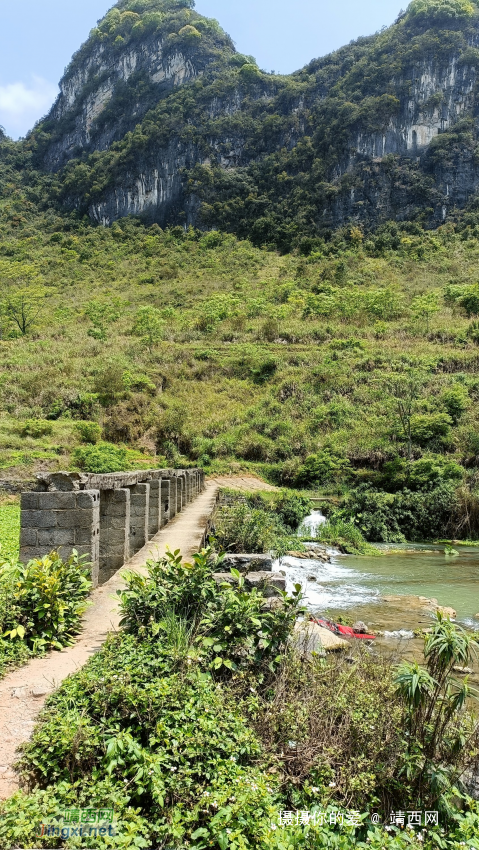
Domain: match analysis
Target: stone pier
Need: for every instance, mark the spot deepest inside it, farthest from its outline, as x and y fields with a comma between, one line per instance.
x=108, y=518
x=63, y=521
x=114, y=531
x=165, y=501
x=154, y=522
x=139, y=514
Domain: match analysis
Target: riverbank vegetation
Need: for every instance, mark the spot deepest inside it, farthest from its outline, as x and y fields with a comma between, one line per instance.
x=199, y=724
x=258, y=522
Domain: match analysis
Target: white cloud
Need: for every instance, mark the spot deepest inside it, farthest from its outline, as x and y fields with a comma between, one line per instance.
x=21, y=104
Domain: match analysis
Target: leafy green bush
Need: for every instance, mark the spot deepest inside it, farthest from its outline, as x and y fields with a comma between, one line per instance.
x=37, y=428
x=292, y=508
x=423, y=474
x=322, y=468
x=42, y=602
x=428, y=427
x=101, y=458
x=228, y=628
x=345, y=536
x=242, y=528
x=89, y=432
x=456, y=402
x=406, y=515
x=9, y=531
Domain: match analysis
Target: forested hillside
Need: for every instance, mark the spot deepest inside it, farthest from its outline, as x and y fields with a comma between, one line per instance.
x=353, y=368
x=159, y=116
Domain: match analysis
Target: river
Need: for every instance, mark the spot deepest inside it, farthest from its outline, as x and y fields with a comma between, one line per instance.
x=355, y=586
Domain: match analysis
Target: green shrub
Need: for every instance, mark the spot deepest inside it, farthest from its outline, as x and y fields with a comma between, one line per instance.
x=429, y=427
x=89, y=432
x=423, y=474
x=101, y=458
x=456, y=402
x=345, y=536
x=322, y=468
x=223, y=628
x=42, y=602
x=9, y=532
x=37, y=428
x=250, y=72
x=241, y=528
x=292, y=508
x=406, y=515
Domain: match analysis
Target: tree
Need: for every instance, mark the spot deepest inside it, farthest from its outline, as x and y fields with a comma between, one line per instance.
x=23, y=305
x=405, y=389
x=424, y=307
x=441, y=739
x=149, y=326
x=101, y=315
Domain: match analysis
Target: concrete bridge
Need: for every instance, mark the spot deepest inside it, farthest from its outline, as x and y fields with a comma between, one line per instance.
x=109, y=518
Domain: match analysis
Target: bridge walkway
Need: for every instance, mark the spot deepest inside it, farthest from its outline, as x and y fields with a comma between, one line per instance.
x=23, y=692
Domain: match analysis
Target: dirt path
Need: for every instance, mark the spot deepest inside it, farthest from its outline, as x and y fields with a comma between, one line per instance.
x=24, y=691
x=245, y=482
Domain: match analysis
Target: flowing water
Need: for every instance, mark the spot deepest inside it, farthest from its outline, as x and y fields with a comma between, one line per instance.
x=355, y=586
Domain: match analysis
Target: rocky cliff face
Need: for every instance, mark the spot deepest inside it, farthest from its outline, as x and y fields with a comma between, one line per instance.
x=85, y=95
x=371, y=130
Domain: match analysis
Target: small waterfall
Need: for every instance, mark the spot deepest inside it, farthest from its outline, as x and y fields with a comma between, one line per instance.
x=311, y=523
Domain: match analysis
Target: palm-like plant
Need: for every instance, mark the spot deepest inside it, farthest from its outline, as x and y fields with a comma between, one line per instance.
x=442, y=736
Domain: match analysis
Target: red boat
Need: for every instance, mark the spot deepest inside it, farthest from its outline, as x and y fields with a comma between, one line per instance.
x=338, y=629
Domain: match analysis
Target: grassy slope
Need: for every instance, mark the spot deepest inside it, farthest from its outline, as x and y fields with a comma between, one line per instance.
x=244, y=358
x=231, y=392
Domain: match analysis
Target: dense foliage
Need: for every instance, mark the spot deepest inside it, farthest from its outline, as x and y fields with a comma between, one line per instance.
x=255, y=523
x=41, y=605
x=198, y=724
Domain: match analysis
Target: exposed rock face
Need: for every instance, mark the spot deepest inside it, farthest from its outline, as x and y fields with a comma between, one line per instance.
x=385, y=166
x=85, y=95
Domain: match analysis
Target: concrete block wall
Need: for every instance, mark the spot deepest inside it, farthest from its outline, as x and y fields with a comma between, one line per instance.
x=106, y=517
x=139, y=514
x=165, y=501
x=114, y=531
x=154, y=521
x=61, y=521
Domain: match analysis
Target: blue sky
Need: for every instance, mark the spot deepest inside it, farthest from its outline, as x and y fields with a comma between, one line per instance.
x=38, y=37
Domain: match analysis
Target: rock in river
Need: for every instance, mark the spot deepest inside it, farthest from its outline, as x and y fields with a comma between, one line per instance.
x=311, y=638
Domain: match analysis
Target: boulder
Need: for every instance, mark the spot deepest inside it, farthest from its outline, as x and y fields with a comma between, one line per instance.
x=422, y=603
x=312, y=639
x=476, y=616
x=360, y=627
x=311, y=555
x=220, y=578
x=270, y=584
x=465, y=671
x=245, y=563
